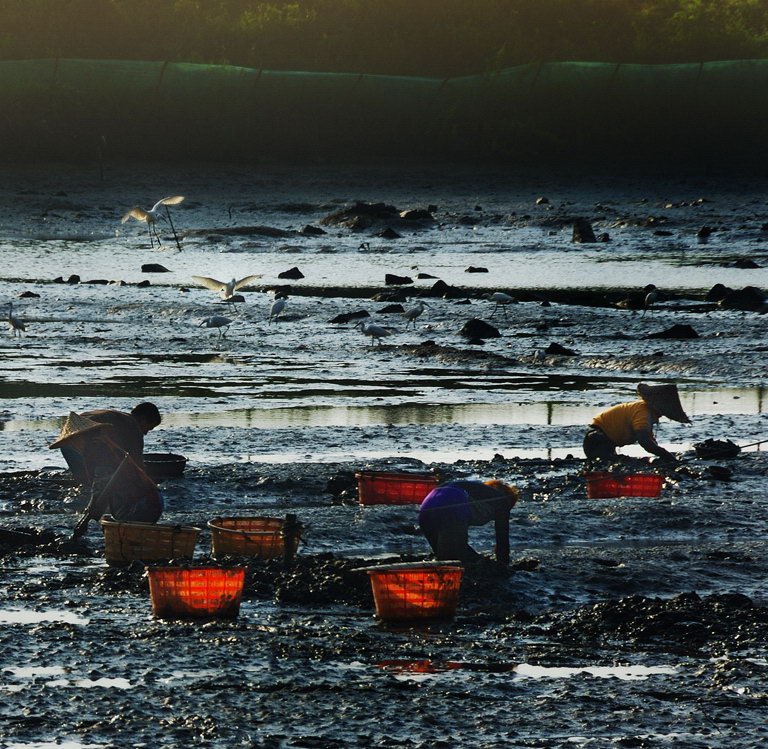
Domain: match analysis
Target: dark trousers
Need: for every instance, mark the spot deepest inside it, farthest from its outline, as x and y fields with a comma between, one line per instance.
x=597, y=445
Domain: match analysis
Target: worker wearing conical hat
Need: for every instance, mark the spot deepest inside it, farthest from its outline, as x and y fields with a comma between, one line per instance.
x=632, y=423
x=448, y=510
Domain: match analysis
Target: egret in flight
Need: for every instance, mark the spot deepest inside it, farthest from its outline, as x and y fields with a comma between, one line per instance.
x=376, y=332
x=16, y=326
x=226, y=289
x=412, y=313
x=217, y=321
x=152, y=215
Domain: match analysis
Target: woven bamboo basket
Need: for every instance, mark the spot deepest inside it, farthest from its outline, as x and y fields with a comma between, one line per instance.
x=146, y=542
x=258, y=537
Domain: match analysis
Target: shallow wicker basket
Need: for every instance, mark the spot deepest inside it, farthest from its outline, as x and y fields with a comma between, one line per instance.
x=259, y=537
x=146, y=542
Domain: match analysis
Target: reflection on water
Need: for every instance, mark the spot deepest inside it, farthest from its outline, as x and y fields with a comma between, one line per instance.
x=418, y=670
x=21, y=616
x=26, y=672
x=55, y=744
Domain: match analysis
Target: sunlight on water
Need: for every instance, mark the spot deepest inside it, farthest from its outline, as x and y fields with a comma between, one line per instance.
x=19, y=616
x=89, y=683
x=55, y=744
x=626, y=673
x=22, y=672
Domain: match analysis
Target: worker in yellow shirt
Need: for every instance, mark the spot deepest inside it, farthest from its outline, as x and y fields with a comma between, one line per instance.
x=632, y=423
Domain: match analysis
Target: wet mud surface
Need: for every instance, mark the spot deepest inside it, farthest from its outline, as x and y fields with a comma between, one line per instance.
x=629, y=622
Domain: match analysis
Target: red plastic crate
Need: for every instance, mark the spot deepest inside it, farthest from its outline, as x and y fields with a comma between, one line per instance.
x=404, y=592
x=605, y=485
x=196, y=592
x=391, y=488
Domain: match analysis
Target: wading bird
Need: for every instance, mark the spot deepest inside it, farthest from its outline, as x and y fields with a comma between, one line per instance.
x=152, y=215
x=226, y=289
x=651, y=297
x=501, y=299
x=413, y=312
x=376, y=332
x=217, y=321
x=17, y=327
x=277, y=306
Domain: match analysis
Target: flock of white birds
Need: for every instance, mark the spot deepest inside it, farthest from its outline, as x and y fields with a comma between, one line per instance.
x=227, y=290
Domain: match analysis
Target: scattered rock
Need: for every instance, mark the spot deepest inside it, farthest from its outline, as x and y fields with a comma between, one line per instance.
x=29, y=295
x=345, y=317
x=745, y=262
x=416, y=214
x=388, y=233
x=392, y=280
x=361, y=215
x=143, y=284
x=704, y=232
x=240, y=231
x=73, y=279
x=391, y=309
x=749, y=299
x=679, y=332
x=582, y=231
x=473, y=269
x=292, y=273
x=154, y=268
x=556, y=348
x=479, y=329
x=312, y=231
x=97, y=282
x=425, y=275
x=717, y=293
x=441, y=288
x=542, y=201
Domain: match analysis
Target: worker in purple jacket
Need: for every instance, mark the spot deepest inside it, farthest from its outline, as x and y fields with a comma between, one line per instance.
x=448, y=510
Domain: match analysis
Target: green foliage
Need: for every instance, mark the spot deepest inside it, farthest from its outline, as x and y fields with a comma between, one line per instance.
x=407, y=37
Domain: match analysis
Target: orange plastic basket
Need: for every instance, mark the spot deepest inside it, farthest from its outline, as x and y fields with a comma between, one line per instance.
x=196, y=592
x=147, y=542
x=604, y=485
x=390, y=488
x=258, y=537
x=404, y=592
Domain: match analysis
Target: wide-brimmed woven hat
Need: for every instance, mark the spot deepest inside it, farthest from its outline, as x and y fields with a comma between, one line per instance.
x=75, y=425
x=665, y=400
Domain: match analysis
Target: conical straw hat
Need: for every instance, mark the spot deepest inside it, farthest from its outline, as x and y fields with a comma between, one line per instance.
x=663, y=399
x=75, y=425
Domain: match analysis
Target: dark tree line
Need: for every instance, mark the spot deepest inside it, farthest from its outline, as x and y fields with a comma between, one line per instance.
x=433, y=38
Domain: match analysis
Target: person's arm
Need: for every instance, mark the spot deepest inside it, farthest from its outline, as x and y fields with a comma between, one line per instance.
x=647, y=441
x=502, y=537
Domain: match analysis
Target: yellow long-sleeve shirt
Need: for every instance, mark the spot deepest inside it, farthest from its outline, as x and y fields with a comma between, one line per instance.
x=619, y=423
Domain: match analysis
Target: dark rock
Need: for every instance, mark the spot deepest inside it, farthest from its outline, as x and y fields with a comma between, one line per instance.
x=97, y=282
x=465, y=301
x=432, y=208
x=473, y=269
x=240, y=231
x=718, y=292
x=390, y=296
x=292, y=273
x=73, y=279
x=143, y=284
x=361, y=215
x=59, y=279
x=29, y=295
x=582, y=231
x=475, y=328
x=704, y=232
x=711, y=448
x=676, y=331
x=312, y=231
x=388, y=233
x=749, y=299
x=542, y=201
x=745, y=262
x=392, y=280
x=391, y=309
x=604, y=237
x=476, y=342
x=345, y=317
x=424, y=275
x=556, y=348
x=154, y=268
x=416, y=214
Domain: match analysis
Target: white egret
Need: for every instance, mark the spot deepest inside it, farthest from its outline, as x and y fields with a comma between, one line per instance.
x=226, y=289
x=277, y=306
x=217, y=321
x=17, y=327
x=412, y=313
x=376, y=332
x=152, y=215
x=501, y=299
